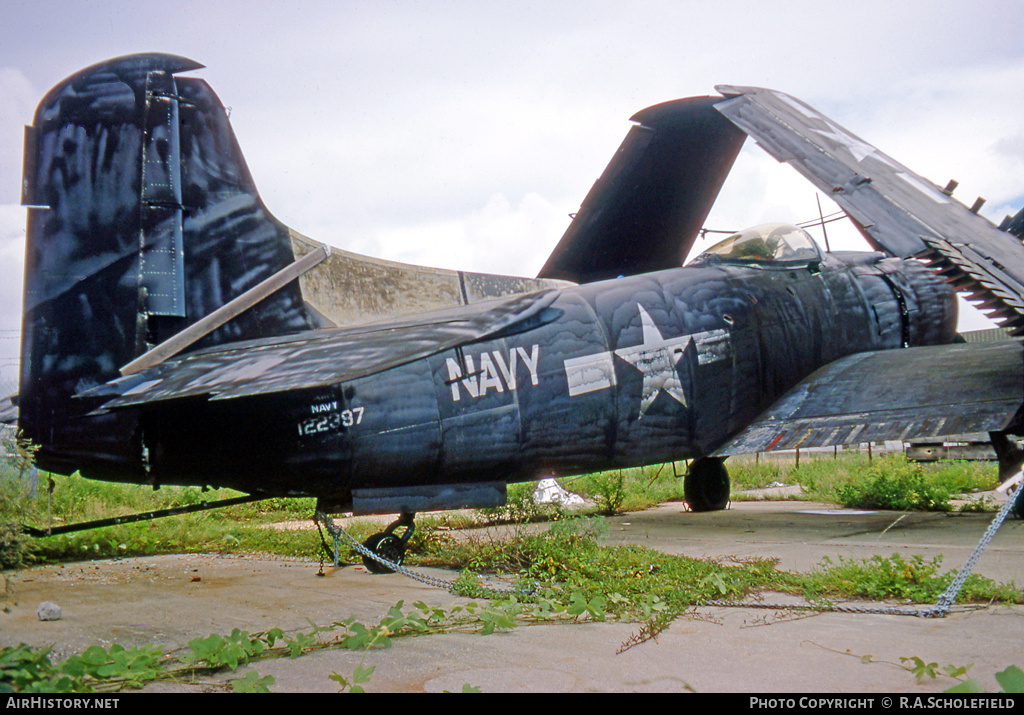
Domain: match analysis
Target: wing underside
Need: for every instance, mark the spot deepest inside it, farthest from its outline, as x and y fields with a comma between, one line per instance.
x=895, y=395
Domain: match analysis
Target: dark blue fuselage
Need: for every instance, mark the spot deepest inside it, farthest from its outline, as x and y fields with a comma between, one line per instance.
x=638, y=370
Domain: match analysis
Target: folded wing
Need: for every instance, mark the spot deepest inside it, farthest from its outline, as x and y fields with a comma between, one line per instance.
x=647, y=208
x=895, y=395
x=897, y=210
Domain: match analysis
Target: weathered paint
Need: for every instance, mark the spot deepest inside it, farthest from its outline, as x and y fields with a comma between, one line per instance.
x=425, y=376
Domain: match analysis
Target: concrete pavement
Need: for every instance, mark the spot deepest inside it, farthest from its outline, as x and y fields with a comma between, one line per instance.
x=169, y=600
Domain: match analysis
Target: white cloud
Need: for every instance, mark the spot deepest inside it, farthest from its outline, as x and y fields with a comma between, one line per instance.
x=499, y=237
x=12, y=259
x=461, y=135
x=17, y=101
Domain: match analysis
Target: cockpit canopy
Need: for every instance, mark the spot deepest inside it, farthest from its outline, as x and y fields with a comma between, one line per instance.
x=765, y=244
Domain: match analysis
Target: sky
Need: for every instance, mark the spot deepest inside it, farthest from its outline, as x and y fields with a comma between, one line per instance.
x=463, y=134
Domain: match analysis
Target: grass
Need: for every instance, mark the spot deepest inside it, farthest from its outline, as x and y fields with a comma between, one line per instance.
x=567, y=554
x=557, y=555
x=852, y=480
x=883, y=482
x=75, y=499
x=881, y=578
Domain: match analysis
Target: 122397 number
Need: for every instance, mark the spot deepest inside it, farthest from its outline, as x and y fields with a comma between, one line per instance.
x=330, y=422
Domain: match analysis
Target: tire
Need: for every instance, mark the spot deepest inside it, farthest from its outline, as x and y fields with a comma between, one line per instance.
x=387, y=546
x=706, y=485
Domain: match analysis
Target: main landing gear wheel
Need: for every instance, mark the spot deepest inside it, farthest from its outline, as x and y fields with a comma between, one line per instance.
x=388, y=546
x=706, y=484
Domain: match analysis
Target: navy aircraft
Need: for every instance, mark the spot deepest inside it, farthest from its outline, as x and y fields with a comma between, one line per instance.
x=176, y=333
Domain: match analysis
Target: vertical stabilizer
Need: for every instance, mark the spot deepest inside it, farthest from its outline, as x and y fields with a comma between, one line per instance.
x=143, y=218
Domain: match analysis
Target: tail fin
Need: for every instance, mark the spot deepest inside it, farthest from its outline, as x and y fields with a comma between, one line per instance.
x=143, y=218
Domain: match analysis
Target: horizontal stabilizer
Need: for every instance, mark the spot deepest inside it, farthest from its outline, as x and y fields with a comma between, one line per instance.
x=895, y=395
x=322, y=357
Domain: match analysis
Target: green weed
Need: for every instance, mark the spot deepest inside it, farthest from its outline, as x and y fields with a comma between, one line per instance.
x=1010, y=680
x=610, y=490
x=566, y=576
x=893, y=577
x=29, y=670
x=894, y=483
x=520, y=507
x=629, y=489
x=749, y=474
x=884, y=482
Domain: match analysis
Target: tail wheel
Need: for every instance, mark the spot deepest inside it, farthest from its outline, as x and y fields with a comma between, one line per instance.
x=706, y=484
x=388, y=547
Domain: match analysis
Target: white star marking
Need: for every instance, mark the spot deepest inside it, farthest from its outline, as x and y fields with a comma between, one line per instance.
x=860, y=150
x=656, y=358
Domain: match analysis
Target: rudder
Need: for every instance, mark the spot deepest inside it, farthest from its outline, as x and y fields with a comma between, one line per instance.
x=143, y=218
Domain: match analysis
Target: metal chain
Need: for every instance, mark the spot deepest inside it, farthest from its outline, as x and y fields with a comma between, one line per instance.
x=942, y=607
x=946, y=599
x=338, y=533
x=944, y=603
x=934, y=612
